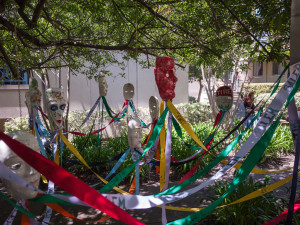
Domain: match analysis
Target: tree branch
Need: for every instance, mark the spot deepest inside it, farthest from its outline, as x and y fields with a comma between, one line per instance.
x=177, y=26
x=8, y=62
x=245, y=28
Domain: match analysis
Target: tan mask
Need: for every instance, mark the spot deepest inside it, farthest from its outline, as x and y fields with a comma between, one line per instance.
x=102, y=86
x=154, y=107
x=128, y=91
x=55, y=105
x=20, y=167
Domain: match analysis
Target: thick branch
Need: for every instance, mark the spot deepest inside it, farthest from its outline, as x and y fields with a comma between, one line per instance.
x=37, y=11
x=8, y=62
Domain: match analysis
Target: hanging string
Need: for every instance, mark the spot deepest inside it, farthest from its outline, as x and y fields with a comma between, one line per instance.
x=136, y=63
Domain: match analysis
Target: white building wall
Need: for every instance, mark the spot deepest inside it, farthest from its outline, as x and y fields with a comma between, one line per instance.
x=84, y=92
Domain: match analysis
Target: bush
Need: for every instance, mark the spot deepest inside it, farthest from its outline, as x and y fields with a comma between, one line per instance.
x=251, y=212
x=281, y=143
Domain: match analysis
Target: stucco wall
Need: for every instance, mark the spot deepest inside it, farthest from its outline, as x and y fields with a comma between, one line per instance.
x=268, y=76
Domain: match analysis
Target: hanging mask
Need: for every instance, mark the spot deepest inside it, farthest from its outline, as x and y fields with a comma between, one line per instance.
x=55, y=104
x=154, y=107
x=165, y=77
x=19, y=166
x=102, y=85
x=135, y=133
x=128, y=91
x=224, y=98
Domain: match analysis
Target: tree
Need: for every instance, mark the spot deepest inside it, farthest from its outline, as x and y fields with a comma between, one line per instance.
x=50, y=34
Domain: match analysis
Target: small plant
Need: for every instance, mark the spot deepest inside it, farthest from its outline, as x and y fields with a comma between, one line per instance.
x=251, y=212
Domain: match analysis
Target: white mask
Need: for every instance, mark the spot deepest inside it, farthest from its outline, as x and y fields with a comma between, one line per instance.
x=128, y=91
x=154, y=107
x=33, y=96
x=102, y=86
x=20, y=167
x=135, y=134
x=55, y=105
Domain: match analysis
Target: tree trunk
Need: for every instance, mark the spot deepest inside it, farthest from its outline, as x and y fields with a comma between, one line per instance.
x=68, y=98
x=200, y=90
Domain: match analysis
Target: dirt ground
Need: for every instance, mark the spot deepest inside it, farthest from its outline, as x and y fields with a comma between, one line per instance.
x=150, y=186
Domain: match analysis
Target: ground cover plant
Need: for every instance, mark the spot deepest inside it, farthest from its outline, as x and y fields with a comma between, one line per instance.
x=251, y=212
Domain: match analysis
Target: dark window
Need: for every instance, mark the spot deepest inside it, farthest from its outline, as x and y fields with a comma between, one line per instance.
x=6, y=77
x=275, y=68
x=257, y=69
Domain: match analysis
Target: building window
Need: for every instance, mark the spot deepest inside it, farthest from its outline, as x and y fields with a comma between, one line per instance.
x=257, y=69
x=6, y=77
x=275, y=69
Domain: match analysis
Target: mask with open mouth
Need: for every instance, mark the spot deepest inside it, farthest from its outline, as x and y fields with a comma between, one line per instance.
x=55, y=105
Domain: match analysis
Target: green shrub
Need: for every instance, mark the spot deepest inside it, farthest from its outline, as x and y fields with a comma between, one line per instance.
x=19, y=123
x=281, y=143
x=251, y=212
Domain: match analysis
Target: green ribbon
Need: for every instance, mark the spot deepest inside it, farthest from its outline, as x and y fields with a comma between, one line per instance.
x=109, y=112
x=18, y=207
x=120, y=176
x=218, y=159
x=135, y=112
x=243, y=172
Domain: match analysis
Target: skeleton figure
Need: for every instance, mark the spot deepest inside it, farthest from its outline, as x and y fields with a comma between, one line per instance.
x=55, y=105
x=102, y=85
x=154, y=107
x=18, y=166
x=165, y=77
x=128, y=91
x=33, y=97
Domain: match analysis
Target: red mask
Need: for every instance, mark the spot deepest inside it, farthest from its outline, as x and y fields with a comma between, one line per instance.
x=165, y=77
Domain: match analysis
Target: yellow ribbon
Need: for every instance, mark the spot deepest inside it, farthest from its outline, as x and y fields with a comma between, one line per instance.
x=184, y=124
x=252, y=195
x=162, y=137
x=189, y=130
x=77, y=154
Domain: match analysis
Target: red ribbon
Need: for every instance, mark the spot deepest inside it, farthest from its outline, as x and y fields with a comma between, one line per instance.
x=94, y=132
x=193, y=170
x=283, y=215
x=67, y=181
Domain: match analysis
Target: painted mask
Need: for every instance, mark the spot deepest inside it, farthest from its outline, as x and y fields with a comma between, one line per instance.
x=154, y=107
x=224, y=98
x=102, y=86
x=18, y=166
x=128, y=91
x=165, y=77
x=33, y=96
x=55, y=104
x=135, y=133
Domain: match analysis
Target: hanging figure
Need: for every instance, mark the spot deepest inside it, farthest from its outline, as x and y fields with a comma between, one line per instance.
x=166, y=82
x=19, y=166
x=135, y=136
x=55, y=106
x=102, y=85
x=128, y=91
x=165, y=77
x=154, y=113
x=32, y=101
